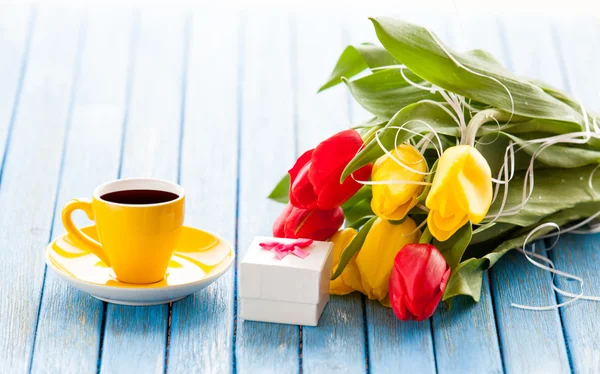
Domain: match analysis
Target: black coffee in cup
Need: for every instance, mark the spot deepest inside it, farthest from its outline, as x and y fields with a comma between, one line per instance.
x=139, y=197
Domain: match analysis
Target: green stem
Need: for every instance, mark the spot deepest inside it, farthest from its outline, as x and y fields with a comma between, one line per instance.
x=485, y=116
x=426, y=237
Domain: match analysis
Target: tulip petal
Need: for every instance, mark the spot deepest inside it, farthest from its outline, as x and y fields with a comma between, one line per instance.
x=279, y=225
x=449, y=165
x=438, y=286
x=351, y=276
x=376, y=258
x=338, y=286
x=475, y=179
x=392, y=200
x=462, y=187
x=448, y=223
x=319, y=224
x=340, y=241
x=382, y=209
x=439, y=233
x=328, y=161
x=414, y=269
x=418, y=280
x=428, y=308
x=397, y=295
x=302, y=194
x=309, y=224
x=295, y=219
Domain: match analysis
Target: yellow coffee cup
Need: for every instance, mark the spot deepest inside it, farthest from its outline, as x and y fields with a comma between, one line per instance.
x=138, y=222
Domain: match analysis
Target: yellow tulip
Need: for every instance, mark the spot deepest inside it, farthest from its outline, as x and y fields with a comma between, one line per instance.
x=393, y=201
x=351, y=276
x=376, y=258
x=461, y=191
x=340, y=241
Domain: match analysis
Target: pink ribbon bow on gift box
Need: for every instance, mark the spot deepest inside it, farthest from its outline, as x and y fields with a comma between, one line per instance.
x=283, y=249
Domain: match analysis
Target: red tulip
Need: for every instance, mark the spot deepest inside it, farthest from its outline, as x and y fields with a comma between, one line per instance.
x=418, y=281
x=308, y=223
x=315, y=178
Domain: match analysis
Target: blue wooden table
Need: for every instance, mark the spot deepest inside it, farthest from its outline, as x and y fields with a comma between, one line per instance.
x=223, y=102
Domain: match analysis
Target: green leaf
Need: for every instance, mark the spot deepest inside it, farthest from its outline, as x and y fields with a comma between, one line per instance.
x=281, y=192
x=496, y=230
x=467, y=278
x=385, y=92
x=570, y=101
x=359, y=222
x=353, y=248
x=558, y=155
x=555, y=189
x=455, y=246
x=365, y=193
x=412, y=117
x=358, y=212
x=539, y=125
x=564, y=217
x=557, y=94
x=473, y=77
x=484, y=56
x=355, y=59
x=370, y=123
x=493, y=148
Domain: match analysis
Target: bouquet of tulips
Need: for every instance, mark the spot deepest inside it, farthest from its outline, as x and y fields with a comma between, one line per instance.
x=461, y=162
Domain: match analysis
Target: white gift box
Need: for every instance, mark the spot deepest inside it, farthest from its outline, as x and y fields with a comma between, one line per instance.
x=292, y=290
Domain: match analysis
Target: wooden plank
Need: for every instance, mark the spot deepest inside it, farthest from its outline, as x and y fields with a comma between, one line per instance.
x=68, y=334
x=579, y=50
x=579, y=255
x=337, y=344
x=15, y=31
x=465, y=336
x=29, y=181
x=202, y=325
x=267, y=150
x=135, y=337
x=530, y=341
x=398, y=346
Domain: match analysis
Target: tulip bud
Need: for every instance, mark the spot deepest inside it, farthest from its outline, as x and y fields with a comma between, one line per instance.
x=393, y=200
x=340, y=241
x=315, y=178
x=349, y=280
x=313, y=224
x=376, y=257
x=418, y=281
x=461, y=191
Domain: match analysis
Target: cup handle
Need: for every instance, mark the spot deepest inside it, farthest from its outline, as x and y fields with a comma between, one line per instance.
x=90, y=244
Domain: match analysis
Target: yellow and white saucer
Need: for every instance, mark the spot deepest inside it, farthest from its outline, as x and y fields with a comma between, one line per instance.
x=200, y=258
